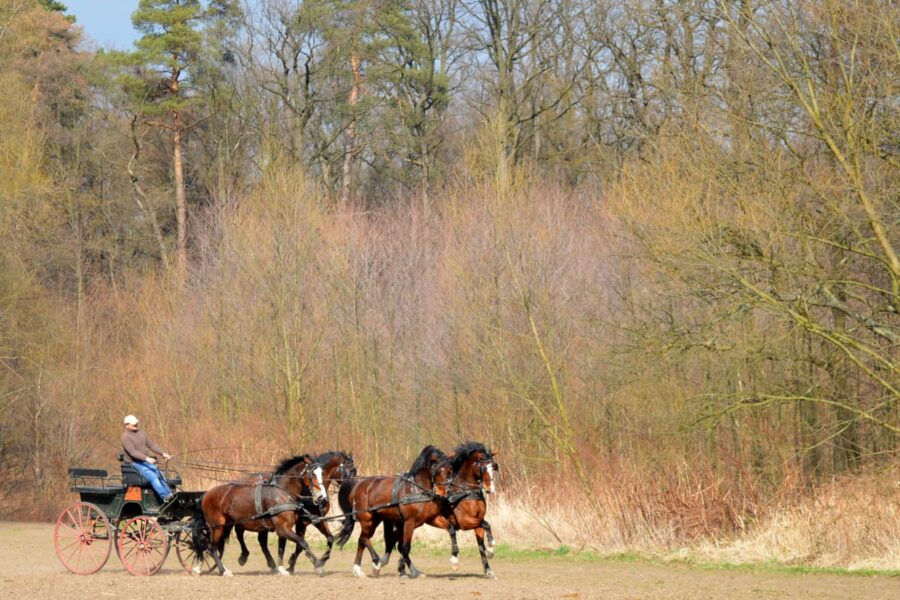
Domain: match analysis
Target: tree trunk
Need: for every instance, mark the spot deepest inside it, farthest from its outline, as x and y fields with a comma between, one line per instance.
x=180, y=202
x=351, y=129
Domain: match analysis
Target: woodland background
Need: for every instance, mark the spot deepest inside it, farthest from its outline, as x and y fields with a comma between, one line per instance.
x=646, y=248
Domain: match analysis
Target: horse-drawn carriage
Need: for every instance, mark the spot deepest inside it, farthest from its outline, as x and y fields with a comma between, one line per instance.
x=124, y=511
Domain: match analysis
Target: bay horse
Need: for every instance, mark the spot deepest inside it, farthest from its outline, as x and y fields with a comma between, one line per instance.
x=407, y=501
x=261, y=506
x=472, y=476
x=337, y=467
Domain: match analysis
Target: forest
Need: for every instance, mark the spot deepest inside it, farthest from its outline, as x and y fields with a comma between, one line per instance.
x=646, y=249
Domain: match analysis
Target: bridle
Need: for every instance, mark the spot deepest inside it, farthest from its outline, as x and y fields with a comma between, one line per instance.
x=347, y=469
x=478, y=469
x=432, y=475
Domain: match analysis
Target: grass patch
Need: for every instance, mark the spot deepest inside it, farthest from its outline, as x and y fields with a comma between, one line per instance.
x=564, y=552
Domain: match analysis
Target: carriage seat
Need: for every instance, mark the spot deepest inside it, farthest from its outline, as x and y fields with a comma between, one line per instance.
x=92, y=481
x=131, y=476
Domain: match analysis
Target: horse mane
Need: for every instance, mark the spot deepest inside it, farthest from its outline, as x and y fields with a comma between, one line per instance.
x=464, y=451
x=326, y=456
x=425, y=459
x=288, y=463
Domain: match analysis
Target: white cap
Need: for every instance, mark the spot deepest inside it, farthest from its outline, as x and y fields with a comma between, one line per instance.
x=131, y=420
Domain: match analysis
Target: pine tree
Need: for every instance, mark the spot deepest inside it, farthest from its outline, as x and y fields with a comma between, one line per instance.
x=170, y=46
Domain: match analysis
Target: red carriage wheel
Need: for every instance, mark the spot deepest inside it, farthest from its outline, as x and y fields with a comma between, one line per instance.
x=83, y=538
x=143, y=546
x=193, y=563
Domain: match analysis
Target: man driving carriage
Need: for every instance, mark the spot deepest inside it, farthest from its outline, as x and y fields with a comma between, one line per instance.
x=137, y=446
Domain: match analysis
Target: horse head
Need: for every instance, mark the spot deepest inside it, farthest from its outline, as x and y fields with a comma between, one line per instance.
x=337, y=466
x=475, y=464
x=432, y=469
x=301, y=475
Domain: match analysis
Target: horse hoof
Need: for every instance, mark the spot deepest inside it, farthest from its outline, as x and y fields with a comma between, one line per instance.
x=490, y=575
x=358, y=572
x=196, y=570
x=454, y=563
x=283, y=571
x=320, y=571
x=227, y=573
x=242, y=559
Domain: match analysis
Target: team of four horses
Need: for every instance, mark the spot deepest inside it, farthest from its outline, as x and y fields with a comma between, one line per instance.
x=444, y=491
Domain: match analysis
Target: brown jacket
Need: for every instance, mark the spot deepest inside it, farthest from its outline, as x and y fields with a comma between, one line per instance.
x=137, y=445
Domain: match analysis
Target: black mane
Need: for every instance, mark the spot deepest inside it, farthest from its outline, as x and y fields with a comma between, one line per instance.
x=326, y=456
x=424, y=459
x=464, y=451
x=289, y=463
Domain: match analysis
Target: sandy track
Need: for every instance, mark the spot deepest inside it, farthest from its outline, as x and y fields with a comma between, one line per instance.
x=29, y=569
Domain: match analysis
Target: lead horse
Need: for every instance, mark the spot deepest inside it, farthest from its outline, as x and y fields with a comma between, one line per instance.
x=406, y=501
x=337, y=467
x=261, y=506
x=473, y=473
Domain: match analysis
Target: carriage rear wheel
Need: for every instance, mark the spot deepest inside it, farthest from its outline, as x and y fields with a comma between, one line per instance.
x=143, y=546
x=193, y=562
x=83, y=538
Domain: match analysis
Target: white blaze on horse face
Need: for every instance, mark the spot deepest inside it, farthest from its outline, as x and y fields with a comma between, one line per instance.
x=321, y=490
x=490, y=470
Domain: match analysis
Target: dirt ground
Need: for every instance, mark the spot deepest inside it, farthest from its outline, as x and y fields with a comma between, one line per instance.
x=29, y=569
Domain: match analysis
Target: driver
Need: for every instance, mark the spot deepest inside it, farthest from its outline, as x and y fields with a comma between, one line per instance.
x=138, y=445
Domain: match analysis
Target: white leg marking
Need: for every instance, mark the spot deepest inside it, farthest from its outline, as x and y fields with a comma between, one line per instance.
x=227, y=573
x=283, y=571
x=358, y=571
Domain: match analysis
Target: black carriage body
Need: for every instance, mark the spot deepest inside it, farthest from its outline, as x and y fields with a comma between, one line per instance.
x=130, y=495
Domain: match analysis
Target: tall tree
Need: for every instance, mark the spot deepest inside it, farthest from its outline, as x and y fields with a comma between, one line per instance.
x=169, y=47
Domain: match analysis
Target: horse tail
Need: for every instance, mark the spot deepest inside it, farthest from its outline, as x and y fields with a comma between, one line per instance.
x=349, y=516
x=199, y=531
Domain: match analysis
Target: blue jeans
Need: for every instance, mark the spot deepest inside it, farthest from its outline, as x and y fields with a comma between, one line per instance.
x=151, y=473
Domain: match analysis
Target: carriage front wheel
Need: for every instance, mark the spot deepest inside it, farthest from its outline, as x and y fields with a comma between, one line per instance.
x=83, y=538
x=143, y=546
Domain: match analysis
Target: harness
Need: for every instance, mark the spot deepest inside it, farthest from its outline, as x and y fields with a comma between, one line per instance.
x=424, y=496
x=466, y=494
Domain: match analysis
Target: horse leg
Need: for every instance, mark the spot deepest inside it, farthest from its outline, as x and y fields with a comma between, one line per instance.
x=286, y=531
x=454, y=547
x=479, y=536
x=490, y=538
x=263, y=538
x=322, y=526
x=390, y=540
x=216, y=539
x=226, y=531
x=409, y=526
x=367, y=527
x=318, y=563
x=282, y=545
x=245, y=552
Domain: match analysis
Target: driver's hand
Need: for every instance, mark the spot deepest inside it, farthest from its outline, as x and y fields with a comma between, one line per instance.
x=167, y=456
x=151, y=460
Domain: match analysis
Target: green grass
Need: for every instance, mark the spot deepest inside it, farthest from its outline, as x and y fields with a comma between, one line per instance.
x=567, y=553
x=563, y=552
